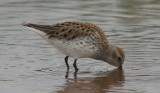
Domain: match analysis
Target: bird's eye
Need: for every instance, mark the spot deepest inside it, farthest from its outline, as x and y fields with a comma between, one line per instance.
x=119, y=59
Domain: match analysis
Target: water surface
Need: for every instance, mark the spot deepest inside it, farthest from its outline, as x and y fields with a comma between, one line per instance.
x=28, y=64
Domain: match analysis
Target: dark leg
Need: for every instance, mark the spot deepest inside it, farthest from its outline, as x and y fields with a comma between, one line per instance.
x=66, y=61
x=75, y=66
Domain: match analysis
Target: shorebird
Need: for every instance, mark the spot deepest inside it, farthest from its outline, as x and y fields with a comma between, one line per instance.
x=80, y=40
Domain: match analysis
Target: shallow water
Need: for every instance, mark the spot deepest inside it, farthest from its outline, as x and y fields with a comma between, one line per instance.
x=30, y=65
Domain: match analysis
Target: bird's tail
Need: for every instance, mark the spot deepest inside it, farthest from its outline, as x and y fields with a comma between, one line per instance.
x=43, y=28
x=39, y=29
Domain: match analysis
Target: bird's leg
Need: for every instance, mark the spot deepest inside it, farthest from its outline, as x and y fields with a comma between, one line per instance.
x=75, y=65
x=66, y=61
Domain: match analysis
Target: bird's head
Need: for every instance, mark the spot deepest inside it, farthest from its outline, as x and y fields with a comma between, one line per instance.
x=114, y=56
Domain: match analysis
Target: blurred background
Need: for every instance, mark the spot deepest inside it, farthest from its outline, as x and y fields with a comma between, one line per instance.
x=28, y=64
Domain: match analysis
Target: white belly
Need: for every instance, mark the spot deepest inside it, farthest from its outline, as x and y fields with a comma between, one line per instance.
x=77, y=48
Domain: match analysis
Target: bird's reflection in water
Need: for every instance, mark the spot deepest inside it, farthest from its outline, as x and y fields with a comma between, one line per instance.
x=100, y=84
x=75, y=74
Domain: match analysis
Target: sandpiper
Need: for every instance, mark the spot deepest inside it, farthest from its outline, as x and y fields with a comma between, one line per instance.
x=80, y=40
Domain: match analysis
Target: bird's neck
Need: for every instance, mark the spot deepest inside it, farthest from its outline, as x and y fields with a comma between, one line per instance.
x=104, y=53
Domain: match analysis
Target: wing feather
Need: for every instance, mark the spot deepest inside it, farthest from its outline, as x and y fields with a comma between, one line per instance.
x=69, y=30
